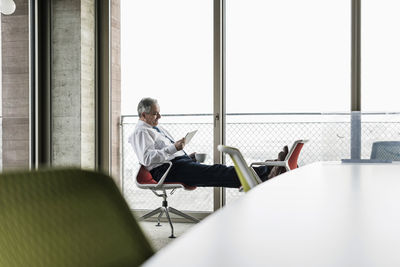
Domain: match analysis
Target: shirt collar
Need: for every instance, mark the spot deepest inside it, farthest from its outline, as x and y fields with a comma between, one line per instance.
x=144, y=124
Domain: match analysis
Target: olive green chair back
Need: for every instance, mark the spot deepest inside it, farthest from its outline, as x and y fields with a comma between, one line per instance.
x=67, y=217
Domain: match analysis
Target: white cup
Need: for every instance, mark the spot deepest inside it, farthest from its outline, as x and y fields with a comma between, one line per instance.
x=200, y=157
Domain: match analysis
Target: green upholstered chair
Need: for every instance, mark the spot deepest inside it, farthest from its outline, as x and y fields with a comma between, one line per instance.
x=67, y=217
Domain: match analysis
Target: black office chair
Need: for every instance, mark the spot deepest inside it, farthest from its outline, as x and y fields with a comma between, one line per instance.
x=386, y=150
x=67, y=217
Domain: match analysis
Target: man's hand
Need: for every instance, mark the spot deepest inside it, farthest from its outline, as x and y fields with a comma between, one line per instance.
x=180, y=144
x=193, y=156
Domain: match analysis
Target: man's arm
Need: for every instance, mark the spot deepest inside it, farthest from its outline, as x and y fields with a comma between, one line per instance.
x=146, y=152
x=180, y=144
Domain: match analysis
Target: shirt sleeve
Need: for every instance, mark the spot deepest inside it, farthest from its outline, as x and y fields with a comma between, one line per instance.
x=144, y=146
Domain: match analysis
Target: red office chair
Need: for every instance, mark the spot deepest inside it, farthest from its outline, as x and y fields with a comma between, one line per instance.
x=144, y=180
x=290, y=161
x=293, y=155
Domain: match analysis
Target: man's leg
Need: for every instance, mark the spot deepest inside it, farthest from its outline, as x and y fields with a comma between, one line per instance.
x=186, y=171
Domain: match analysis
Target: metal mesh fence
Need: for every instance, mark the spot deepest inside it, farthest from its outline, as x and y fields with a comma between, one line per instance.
x=260, y=137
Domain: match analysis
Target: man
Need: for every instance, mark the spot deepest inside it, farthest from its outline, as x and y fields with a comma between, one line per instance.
x=153, y=145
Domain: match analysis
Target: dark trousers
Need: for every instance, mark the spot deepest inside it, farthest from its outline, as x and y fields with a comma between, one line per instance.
x=185, y=170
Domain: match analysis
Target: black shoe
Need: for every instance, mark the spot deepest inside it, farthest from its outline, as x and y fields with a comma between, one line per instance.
x=282, y=155
x=276, y=170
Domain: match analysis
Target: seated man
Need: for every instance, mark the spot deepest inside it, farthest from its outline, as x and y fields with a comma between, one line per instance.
x=154, y=145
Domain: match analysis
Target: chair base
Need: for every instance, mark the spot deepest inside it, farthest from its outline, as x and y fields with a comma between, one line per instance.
x=167, y=210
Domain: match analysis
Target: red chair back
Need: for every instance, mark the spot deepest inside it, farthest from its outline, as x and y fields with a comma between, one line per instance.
x=295, y=156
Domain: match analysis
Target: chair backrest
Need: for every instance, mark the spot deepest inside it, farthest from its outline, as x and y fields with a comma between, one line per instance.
x=294, y=152
x=386, y=150
x=67, y=217
x=247, y=177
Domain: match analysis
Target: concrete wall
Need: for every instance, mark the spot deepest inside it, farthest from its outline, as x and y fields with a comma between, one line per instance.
x=87, y=84
x=72, y=89
x=15, y=87
x=115, y=87
x=72, y=85
x=66, y=82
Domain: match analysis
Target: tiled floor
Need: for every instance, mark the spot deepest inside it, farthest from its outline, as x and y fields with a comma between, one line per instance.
x=159, y=235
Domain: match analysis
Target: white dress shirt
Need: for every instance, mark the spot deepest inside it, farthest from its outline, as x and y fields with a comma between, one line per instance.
x=151, y=147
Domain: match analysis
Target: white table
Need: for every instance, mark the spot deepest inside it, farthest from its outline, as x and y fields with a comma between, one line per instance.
x=322, y=214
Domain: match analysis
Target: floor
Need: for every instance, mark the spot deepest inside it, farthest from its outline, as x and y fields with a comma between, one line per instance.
x=159, y=235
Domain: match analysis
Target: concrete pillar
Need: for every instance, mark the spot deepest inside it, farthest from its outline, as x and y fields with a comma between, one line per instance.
x=15, y=87
x=115, y=88
x=72, y=83
x=88, y=84
x=73, y=86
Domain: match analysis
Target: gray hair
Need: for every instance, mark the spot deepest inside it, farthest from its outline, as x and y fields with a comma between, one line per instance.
x=145, y=105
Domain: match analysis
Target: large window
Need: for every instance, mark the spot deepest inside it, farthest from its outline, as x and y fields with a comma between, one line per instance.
x=287, y=67
x=167, y=54
x=285, y=57
x=166, y=49
x=380, y=53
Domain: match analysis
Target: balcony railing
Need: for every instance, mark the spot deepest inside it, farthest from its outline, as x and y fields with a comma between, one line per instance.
x=259, y=136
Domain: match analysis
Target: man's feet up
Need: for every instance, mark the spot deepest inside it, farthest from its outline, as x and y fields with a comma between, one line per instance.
x=282, y=155
x=276, y=170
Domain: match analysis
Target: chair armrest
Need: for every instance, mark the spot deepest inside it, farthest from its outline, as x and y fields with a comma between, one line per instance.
x=269, y=163
x=161, y=182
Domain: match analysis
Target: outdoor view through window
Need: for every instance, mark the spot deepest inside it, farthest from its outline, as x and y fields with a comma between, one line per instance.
x=288, y=70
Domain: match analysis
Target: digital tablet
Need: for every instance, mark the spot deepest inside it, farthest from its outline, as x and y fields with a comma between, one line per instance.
x=189, y=136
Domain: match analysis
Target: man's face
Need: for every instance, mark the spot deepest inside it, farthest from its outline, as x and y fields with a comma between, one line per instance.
x=153, y=116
